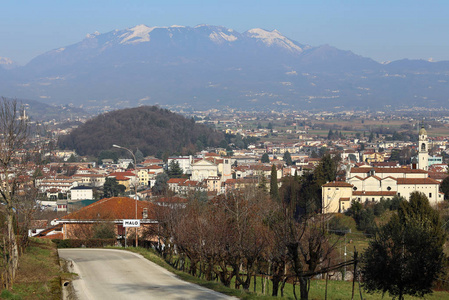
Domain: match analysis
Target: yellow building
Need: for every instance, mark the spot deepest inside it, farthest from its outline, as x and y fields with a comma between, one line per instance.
x=336, y=196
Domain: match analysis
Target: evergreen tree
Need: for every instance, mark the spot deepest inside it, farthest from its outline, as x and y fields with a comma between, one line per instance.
x=112, y=188
x=444, y=188
x=274, y=189
x=326, y=170
x=107, y=154
x=174, y=170
x=72, y=159
x=265, y=158
x=288, y=158
x=406, y=255
x=262, y=183
x=160, y=186
x=139, y=156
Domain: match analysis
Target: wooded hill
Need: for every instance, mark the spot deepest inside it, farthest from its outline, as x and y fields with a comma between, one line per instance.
x=149, y=128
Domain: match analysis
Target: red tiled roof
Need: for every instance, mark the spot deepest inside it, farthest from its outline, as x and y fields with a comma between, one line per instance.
x=417, y=181
x=211, y=154
x=337, y=184
x=176, y=180
x=126, y=173
x=152, y=160
x=153, y=167
x=121, y=178
x=438, y=175
x=111, y=209
x=89, y=175
x=58, y=236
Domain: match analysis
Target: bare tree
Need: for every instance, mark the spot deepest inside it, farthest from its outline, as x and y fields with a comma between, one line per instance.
x=13, y=137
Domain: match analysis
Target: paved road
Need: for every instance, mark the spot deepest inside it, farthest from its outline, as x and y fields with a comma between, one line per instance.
x=116, y=274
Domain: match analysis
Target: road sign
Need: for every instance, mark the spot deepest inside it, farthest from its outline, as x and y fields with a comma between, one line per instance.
x=131, y=223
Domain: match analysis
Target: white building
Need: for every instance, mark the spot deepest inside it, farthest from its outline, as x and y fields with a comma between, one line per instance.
x=423, y=154
x=203, y=169
x=368, y=184
x=184, y=162
x=81, y=193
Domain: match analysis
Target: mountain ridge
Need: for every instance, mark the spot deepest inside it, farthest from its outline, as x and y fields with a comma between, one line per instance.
x=213, y=66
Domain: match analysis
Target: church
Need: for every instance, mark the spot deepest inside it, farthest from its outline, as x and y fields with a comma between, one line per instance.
x=367, y=183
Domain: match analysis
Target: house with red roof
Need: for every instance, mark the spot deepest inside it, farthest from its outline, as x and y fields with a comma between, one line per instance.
x=81, y=224
x=127, y=178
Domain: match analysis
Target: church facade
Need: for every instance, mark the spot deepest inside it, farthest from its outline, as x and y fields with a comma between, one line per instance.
x=369, y=184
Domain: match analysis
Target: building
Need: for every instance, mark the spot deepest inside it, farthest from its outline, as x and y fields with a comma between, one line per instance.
x=81, y=193
x=371, y=184
x=184, y=162
x=81, y=224
x=336, y=196
x=368, y=184
x=203, y=169
x=423, y=154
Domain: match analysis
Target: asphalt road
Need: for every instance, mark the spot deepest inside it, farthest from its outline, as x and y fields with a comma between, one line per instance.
x=116, y=274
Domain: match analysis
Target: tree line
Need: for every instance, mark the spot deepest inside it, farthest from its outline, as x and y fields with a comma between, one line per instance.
x=254, y=234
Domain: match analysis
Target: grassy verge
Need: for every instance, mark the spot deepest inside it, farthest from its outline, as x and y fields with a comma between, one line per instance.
x=152, y=256
x=336, y=289
x=39, y=274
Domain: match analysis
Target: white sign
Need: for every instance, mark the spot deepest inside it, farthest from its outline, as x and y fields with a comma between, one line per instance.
x=131, y=223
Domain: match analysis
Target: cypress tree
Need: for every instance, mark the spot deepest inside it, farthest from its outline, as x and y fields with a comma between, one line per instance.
x=274, y=189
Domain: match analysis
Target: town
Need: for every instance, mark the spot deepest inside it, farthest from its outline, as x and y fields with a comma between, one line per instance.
x=330, y=169
x=375, y=162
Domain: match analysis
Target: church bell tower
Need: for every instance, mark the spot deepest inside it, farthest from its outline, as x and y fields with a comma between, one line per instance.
x=423, y=151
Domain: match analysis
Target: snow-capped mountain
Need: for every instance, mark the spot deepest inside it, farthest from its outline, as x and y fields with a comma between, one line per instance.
x=213, y=66
x=7, y=63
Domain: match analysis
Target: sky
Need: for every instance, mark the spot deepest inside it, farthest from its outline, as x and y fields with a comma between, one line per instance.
x=382, y=30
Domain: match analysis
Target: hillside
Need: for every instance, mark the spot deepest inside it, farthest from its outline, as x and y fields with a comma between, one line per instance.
x=213, y=67
x=149, y=128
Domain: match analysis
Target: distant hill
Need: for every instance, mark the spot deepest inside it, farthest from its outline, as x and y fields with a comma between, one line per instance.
x=213, y=67
x=150, y=129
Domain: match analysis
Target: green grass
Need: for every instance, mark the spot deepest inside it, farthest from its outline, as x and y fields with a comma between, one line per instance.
x=336, y=289
x=38, y=275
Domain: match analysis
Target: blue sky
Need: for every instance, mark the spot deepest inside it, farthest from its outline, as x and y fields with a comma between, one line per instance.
x=382, y=30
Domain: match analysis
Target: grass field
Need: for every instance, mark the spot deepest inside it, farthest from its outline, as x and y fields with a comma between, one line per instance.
x=39, y=274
